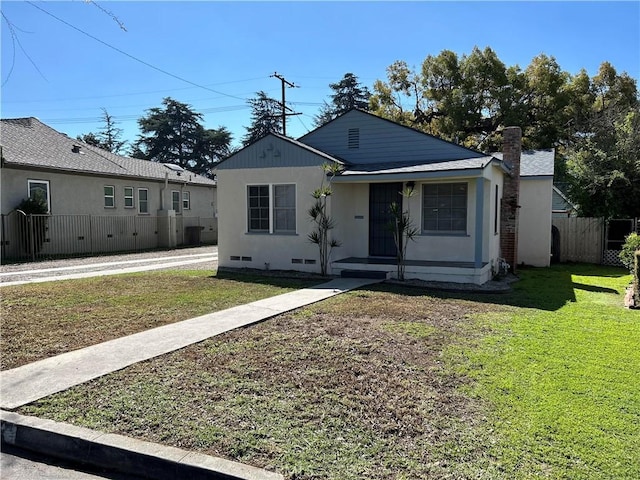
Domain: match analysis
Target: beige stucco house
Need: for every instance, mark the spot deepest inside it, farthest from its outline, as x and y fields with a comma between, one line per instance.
x=98, y=201
x=458, y=205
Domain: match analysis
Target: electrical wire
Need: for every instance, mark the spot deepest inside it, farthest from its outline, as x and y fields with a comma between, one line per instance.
x=131, y=56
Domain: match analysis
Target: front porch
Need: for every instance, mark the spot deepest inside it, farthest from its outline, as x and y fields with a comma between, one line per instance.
x=434, y=271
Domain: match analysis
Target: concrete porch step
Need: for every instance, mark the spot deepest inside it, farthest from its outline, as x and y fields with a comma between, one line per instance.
x=377, y=274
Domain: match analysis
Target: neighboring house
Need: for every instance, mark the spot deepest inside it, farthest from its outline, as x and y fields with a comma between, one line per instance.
x=561, y=205
x=84, y=186
x=536, y=197
x=465, y=203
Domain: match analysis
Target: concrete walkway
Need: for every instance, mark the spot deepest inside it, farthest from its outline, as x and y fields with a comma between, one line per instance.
x=37, y=380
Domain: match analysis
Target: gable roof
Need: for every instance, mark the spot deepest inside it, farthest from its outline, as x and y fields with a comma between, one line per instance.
x=29, y=143
x=241, y=160
x=378, y=140
x=535, y=163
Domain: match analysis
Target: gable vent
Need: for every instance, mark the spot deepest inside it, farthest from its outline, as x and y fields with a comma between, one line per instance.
x=354, y=138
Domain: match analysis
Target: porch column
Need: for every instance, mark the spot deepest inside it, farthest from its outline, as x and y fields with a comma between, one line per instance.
x=479, y=221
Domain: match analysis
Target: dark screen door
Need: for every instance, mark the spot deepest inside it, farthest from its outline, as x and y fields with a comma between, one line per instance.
x=381, y=195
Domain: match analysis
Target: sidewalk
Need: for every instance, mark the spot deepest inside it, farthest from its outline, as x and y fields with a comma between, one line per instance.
x=37, y=380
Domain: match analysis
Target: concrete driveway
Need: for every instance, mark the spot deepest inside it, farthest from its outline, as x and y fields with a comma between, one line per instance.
x=205, y=257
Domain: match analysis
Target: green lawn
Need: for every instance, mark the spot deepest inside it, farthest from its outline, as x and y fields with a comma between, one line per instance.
x=398, y=383
x=562, y=376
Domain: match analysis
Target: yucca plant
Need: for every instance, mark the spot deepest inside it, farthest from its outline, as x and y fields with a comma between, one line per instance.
x=323, y=223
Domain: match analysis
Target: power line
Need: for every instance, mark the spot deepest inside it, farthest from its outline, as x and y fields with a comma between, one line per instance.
x=131, y=56
x=283, y=105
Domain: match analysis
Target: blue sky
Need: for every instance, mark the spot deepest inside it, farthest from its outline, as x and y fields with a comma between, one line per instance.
x=232, y=48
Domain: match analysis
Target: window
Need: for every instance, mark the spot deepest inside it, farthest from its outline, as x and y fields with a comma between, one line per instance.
x=284, y=208
x=444, y=208
x=39, y=189
x=186, y=201
x=143, y=200
x=175, y=200
x=272, y=208
x=128, y=197
x=109, y=196
x=258, y=200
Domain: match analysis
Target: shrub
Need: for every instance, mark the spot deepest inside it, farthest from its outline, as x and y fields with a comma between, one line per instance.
x=631, y=244
x=33, y=206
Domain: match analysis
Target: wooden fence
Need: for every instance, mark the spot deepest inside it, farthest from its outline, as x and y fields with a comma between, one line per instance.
x=580, y=239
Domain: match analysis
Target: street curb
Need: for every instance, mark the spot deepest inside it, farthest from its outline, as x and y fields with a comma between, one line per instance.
x=120, y=453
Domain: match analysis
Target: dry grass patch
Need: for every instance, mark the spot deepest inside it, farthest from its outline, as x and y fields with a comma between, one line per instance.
x=353, y=387
x=45, y=319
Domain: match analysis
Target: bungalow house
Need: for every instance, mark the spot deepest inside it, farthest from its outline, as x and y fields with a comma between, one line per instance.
x=465, y=203
x=98, y=201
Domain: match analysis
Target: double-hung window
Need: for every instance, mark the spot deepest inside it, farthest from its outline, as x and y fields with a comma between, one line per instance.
x=284, y=208
x=175, y=200
x=271, y=208
x=39, y=190
x=109, y=196
x=444, y=208
x=128, y=197
x=258, y=201
x=186, y=201
x=143, y=200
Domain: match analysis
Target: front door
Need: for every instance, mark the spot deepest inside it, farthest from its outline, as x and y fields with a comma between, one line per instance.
x=381, y=195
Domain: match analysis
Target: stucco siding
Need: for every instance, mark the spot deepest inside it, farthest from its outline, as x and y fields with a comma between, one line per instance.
x=380, y=141
x=84, y=194
x=238, y=248
x=534, y=225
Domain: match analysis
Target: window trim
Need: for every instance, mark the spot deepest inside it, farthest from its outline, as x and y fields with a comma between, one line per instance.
x=43, y=182
x=112, y=197
x=271, y=230
x=145, y=202
x=461, y=232
x=129, y=197
x=186, y=200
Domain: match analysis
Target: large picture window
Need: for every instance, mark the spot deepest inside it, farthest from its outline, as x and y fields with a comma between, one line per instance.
x=39, y=189
x=444, y=208
x=271, y=208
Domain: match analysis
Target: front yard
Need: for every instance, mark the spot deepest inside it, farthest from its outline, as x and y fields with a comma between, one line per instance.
x=398, y=383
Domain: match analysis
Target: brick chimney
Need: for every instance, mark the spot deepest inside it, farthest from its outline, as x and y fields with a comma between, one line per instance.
x=511, y=151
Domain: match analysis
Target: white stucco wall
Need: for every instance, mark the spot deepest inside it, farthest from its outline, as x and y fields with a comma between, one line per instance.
x=534, y=224
x=238, y=248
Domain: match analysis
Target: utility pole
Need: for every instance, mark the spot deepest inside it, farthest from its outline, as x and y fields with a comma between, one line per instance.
x=283, y=106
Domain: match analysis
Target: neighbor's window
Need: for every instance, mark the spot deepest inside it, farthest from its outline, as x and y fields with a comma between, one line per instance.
x=186, y=201
x=39, y=189
x=143, y=200
x=128, y=197
x=444, y=208
x=258, y=201
x=175, y=200
x=284, y=208
x=109, y=196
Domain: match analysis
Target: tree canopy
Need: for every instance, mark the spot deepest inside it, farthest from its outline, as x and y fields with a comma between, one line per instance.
x=108, y=137
x=591, y=121
x=174, y=134
x=348, y=93
x=266, y=117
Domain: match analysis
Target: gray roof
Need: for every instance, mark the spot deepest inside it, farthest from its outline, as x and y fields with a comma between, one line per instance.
x=27, y=142
x=413, y=167
x=535, y=163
